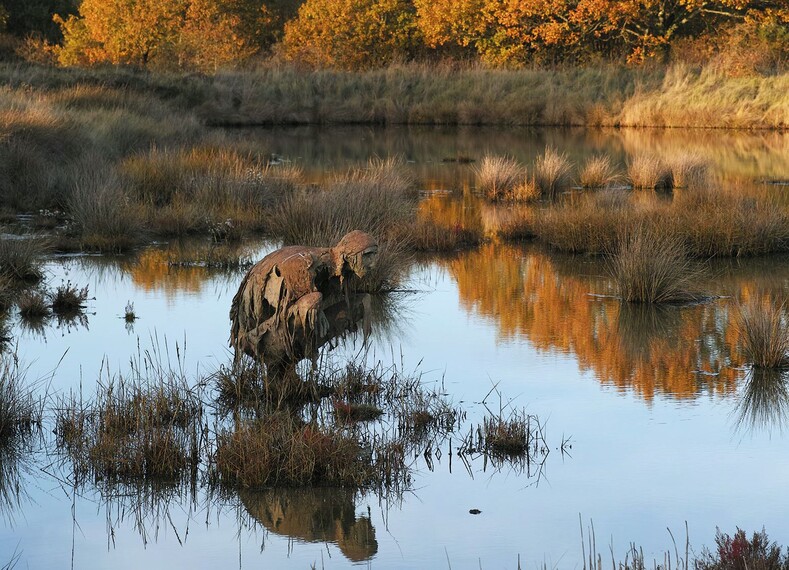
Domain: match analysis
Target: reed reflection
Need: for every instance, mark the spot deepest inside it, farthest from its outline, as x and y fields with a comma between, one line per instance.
x=763, y=404
x=315, y=515
x=561, y=303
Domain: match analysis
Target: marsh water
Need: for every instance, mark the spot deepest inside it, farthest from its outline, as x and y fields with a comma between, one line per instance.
x=650, y=418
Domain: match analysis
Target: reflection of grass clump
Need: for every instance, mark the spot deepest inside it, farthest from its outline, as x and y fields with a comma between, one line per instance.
x=764, y=331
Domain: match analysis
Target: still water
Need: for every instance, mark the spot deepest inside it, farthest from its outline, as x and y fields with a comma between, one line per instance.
x=650, y=418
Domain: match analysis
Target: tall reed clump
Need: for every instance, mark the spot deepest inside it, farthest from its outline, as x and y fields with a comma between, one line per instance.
x=764, y=333
x=21, y=259
x=107, y=218
x=590, y=226
x=20, y=410
x=689, y=170
x=142, y=428
x=598, y=172
x=648, y=172
x=504, y=178
x=552, y=172
x=185, y=190
x=652, y=266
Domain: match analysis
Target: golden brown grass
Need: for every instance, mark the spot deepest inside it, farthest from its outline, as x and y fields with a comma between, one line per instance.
x=652, y=266
x=552, y=172
x=426, y=235
x=688, y=170
x=504, y=178
x=709, y=223
x=648, y=172
x=598, y=172
x=764, y=330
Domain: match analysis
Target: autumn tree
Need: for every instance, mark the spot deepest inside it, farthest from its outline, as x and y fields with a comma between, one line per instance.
x=518, y=31
x=193, y=34
x=352, y=34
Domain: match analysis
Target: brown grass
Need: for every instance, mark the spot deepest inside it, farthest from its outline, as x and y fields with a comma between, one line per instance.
x=504, y=178
x=764, y=330
x=425, y=235
x=598, y=172
x=139, y=429
x=552, y=172
x=21, y=258
x=280, y=450
x=652, y=266
x=688, y=170
x=648, y=172
x=33, y=305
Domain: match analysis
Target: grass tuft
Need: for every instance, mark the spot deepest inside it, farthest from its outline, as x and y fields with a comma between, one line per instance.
x=552, y=172
x=69, y=299
x=649, y=172
x=652, y=266
x=504, y=178
x=764, y=333
x=33, y=305
x=598, y=172
x=20, y=259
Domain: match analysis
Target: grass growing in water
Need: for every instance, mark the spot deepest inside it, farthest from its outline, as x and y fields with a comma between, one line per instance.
x=648, y=172
x=146, y=426
x=598, y=172
x=764, y=331
x=552, y=172
x=504, y=178
x=69, y=299
x=33, y=305
x=20, y=259
x=652, y=266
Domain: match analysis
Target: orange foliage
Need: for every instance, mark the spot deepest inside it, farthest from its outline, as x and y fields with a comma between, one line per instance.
x=677, y=352
x=201, y=34
x=351, y=34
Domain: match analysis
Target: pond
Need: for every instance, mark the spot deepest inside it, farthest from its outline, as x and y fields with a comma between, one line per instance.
x=650, y=418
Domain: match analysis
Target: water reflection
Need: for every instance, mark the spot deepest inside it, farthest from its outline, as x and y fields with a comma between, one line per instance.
x=764, y=402
x=434, y=151
x=563, y=303
x=315, y=515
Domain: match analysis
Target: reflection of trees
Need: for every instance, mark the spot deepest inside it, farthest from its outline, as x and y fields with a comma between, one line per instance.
x=314, y=515
x=557, y=303
x=183, y=267
x=764, y=401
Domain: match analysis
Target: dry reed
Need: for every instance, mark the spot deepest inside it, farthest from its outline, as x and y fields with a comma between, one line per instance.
x=764, y=331
x=552, y=172
x=652, y=266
